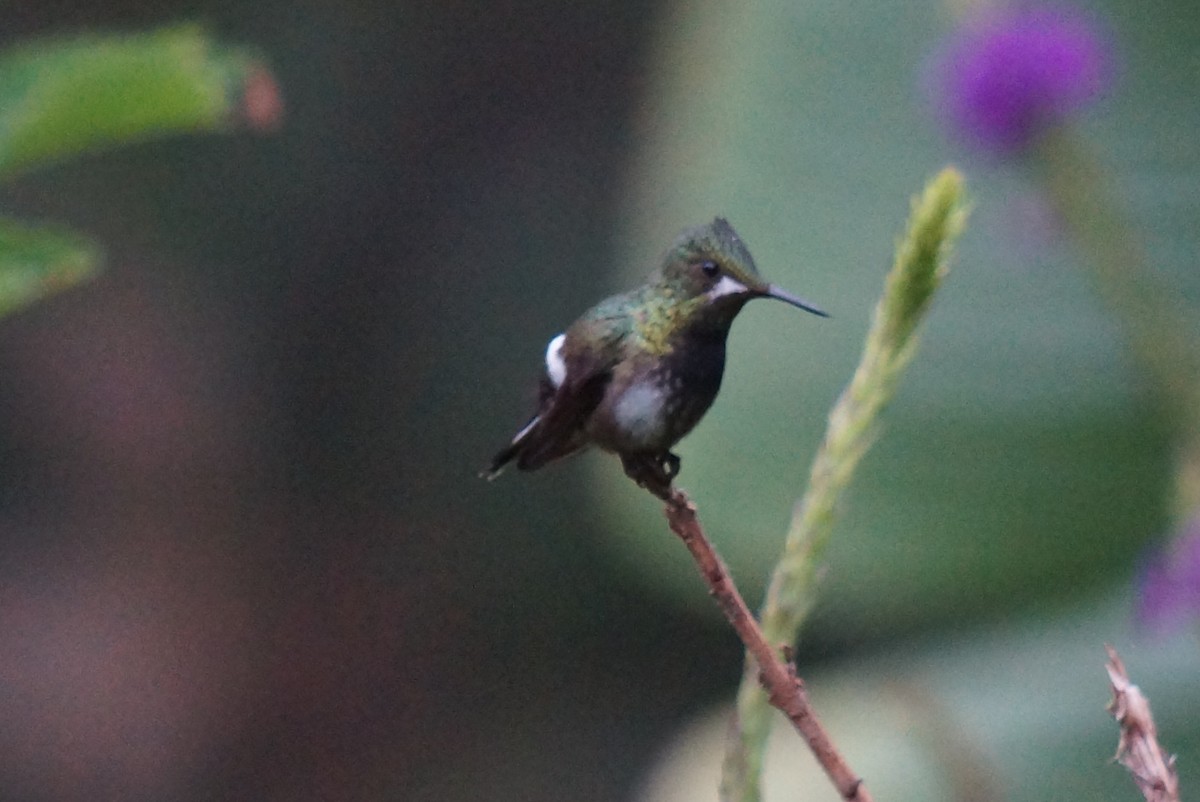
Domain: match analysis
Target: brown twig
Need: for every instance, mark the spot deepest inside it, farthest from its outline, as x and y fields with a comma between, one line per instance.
x=786, y=690
x=1153, y=769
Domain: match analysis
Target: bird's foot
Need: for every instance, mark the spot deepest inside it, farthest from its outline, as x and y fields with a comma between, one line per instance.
x=652, y=471
x=670, y=465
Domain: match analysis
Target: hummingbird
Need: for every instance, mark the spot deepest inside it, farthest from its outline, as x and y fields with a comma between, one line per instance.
x=637, y=371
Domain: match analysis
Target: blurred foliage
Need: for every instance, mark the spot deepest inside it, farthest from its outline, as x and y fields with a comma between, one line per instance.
x=37, y=261
x=61, y=97
x=1012, y=714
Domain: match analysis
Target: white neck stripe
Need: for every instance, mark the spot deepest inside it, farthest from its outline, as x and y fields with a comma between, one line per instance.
x=727, y=286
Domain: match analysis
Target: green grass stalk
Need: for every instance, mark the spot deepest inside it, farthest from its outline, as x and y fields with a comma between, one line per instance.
x=938, y=216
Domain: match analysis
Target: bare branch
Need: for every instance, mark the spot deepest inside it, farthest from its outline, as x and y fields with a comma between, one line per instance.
x=785, y=689
x=1138, y=750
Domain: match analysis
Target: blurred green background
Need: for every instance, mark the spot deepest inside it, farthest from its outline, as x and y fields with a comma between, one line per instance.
x=243, y=551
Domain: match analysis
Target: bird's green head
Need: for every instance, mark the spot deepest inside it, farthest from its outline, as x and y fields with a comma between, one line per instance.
x=709, y=269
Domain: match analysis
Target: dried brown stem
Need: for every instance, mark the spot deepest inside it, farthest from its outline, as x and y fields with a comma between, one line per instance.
x=1152, y=768
x=786, y=690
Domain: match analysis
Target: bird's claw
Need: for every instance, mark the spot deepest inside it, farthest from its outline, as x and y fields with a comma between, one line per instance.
x=654, y=472
x=670, y=465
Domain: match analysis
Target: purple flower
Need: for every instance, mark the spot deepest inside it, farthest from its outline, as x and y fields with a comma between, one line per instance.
x=1009, y=73
x=1169, y=592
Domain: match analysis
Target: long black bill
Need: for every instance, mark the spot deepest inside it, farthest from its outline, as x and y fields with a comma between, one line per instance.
x=788, y=298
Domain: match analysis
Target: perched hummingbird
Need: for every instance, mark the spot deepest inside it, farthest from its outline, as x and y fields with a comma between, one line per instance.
x=637, y=371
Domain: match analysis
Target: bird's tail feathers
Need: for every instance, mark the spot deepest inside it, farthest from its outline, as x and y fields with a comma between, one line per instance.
x=501, y=460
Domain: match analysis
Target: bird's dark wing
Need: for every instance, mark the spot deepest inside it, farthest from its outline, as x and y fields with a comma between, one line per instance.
x=557, y=430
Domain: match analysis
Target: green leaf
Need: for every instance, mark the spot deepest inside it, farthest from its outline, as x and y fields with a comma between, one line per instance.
x=61, y=97
x=38, y=261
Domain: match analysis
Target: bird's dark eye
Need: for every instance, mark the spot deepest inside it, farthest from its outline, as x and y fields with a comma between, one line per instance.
x=709, y=268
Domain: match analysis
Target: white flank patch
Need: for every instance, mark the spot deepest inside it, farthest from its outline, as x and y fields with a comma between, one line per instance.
x=727, y=286
x=556, y=367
